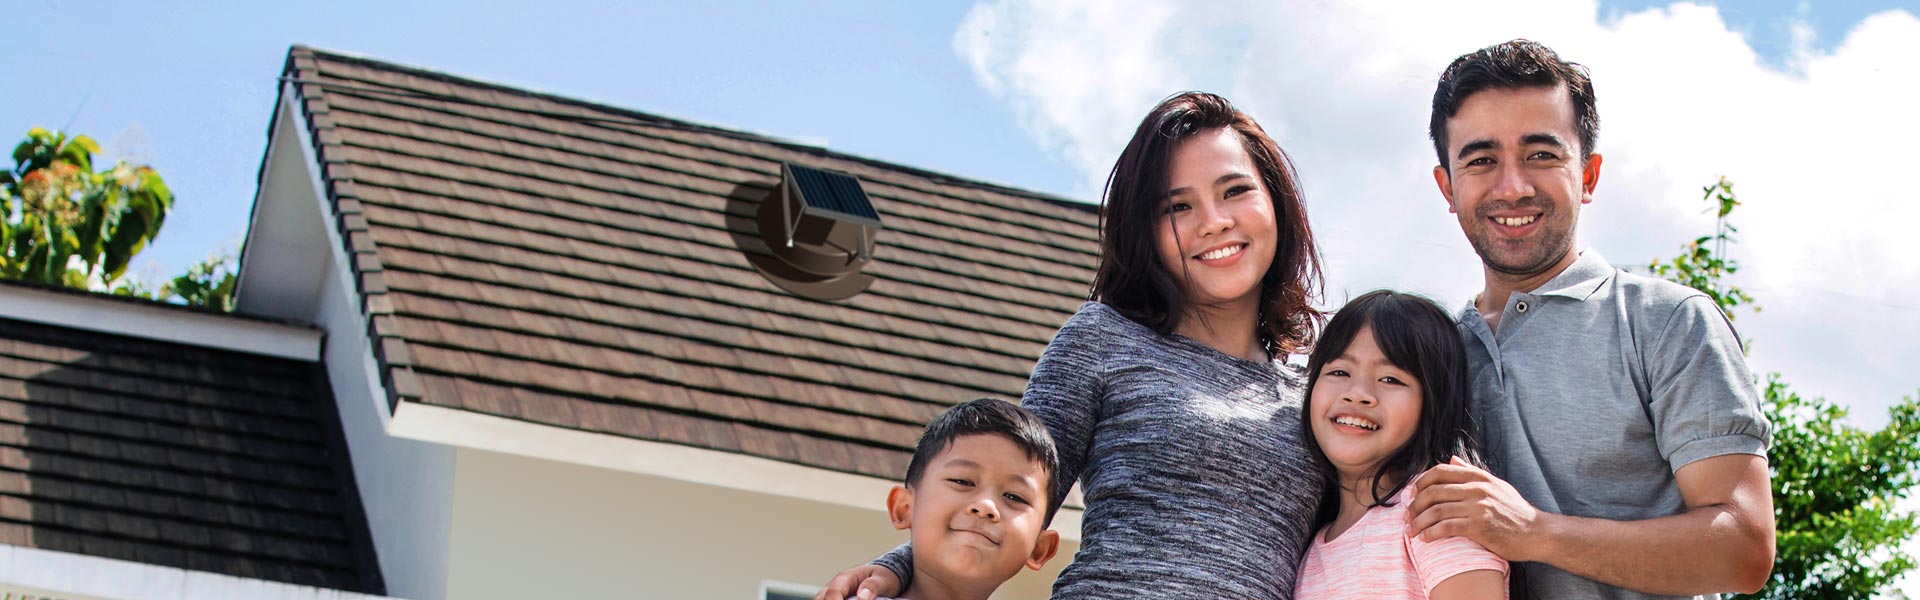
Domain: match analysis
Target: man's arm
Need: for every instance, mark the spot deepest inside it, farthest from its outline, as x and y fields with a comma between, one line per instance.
x=1723, y=541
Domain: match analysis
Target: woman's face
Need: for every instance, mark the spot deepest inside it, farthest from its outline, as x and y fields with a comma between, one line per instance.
x=1215, y=233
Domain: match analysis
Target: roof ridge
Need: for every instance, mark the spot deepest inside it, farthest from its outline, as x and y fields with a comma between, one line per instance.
x=657, y=119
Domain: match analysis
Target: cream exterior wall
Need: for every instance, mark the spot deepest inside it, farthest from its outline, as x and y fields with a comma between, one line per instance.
x=533, y=528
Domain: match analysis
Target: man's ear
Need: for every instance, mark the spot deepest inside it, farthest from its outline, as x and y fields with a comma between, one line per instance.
x=1444, y=180
x=1043, y=549
x=1589, y=178
x=900, y=507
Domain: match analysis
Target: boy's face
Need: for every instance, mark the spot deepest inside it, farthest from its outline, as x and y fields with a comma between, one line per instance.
x=978, y=513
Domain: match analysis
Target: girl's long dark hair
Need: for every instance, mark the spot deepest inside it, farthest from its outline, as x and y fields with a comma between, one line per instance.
x=1419, y=338
x=1132, y=280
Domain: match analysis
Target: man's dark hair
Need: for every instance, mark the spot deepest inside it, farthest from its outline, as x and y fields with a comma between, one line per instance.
x=990, y=416
x=1512, y=65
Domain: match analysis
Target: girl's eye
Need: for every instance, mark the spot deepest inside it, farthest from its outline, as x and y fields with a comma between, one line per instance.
x=1174, y=207
x=1238, y=190
x=1335, y=373
x=1392, y=380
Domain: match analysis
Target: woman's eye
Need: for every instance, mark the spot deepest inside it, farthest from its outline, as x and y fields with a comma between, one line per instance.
x=1238, y=190
x=1174, y=207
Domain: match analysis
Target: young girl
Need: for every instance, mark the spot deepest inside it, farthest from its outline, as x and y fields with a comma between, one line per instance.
x=1169, y=396
x=1388, y=399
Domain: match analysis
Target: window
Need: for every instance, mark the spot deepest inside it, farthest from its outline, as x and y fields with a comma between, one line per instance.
x=780, y=590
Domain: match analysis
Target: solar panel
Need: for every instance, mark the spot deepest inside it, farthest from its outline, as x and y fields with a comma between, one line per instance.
x=837, y=194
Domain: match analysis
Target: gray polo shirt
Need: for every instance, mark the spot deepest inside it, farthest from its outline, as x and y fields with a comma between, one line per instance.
x=1599, y=385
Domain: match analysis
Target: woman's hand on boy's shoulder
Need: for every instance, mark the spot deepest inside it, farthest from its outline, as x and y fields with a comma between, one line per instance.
x=864, y=582
x=1459, y=499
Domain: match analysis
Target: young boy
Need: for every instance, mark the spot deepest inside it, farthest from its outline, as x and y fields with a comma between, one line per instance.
x=978, y=498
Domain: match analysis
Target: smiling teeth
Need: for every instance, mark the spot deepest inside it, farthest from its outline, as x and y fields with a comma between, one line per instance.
x=1514, y=221
x=1358, y=422
x=1223, y=252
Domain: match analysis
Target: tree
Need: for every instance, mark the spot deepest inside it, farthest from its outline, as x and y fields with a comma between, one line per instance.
x=71, y=216
x=1834, y=484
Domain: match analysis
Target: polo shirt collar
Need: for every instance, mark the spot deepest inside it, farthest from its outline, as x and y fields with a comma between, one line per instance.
x=1581, y=279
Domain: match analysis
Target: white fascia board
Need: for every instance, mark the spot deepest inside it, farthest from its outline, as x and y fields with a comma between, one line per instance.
x=135, y=319
x=468, y=429
x=79, y=576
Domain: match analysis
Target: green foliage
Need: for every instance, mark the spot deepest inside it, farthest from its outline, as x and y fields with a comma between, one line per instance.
x=207, y=284
x=1704, y=264
x=62, y=214
x=1837, y=532
x=1834, y=488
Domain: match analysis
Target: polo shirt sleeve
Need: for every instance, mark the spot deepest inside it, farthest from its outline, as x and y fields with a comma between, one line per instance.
x=1704, y=403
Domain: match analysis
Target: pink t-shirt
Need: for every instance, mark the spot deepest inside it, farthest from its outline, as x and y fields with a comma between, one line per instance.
x=1375, y=558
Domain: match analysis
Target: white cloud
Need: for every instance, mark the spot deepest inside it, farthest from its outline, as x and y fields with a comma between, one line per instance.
x=1820, y=154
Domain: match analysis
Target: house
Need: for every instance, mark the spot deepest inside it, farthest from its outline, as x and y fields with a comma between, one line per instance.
x=575, y=354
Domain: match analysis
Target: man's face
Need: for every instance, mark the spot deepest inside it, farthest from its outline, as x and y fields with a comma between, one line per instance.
x=1517, y=180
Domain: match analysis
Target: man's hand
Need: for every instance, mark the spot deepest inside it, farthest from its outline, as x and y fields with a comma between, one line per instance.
x=1458, y=499
x=864, y=582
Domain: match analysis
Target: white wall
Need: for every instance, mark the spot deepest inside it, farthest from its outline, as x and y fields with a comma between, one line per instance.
x=406, y=486
x=532, y=528
x=294, y=268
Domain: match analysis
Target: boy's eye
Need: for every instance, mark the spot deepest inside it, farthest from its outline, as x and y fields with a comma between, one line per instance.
x=961, y=482
x=1017, y=499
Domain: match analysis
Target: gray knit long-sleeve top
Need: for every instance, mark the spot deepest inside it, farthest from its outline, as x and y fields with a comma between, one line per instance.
x=1197, y=479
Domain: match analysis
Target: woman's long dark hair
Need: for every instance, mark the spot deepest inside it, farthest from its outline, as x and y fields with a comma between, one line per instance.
x=1419, y=338
x=1132, y=280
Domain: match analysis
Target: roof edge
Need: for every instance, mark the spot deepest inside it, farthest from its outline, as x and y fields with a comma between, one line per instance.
x=160, y=321
x=936, y=176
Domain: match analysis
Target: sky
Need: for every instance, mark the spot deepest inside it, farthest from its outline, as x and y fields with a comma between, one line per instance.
x=1805, y=107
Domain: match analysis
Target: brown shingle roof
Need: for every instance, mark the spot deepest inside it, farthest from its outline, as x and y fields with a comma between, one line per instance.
x=582, y=266
x=176, y=455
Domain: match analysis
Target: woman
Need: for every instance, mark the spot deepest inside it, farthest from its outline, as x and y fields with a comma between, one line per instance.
x=1168, y=395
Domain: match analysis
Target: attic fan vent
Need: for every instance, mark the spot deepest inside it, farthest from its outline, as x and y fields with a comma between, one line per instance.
x=819, y=231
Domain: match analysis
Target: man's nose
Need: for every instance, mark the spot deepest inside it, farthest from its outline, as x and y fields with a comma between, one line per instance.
x=1511, y=182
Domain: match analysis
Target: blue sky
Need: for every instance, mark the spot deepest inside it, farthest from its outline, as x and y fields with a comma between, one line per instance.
x=189, y=86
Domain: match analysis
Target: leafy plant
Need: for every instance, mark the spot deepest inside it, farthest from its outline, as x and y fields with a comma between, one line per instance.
x=74, y=226
x=1838, y=533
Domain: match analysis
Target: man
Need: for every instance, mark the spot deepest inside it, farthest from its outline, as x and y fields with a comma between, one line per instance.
x=1617, y=410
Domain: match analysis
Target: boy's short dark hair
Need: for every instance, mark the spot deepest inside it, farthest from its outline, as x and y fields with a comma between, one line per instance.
x=1512, y=65
x=991, y=416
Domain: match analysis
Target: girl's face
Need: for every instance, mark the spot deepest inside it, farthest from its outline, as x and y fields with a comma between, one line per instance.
x=1217, y=222
x=1363, y=408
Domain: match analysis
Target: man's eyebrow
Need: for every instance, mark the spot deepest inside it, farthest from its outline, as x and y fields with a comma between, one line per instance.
x=1544, y=139
x=1222, y=179
x=1475, y=146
